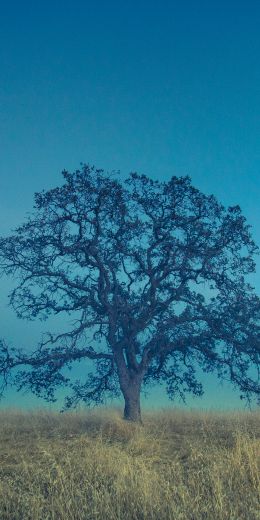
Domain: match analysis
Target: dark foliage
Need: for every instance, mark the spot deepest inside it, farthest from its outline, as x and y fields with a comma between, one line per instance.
x=154, y=274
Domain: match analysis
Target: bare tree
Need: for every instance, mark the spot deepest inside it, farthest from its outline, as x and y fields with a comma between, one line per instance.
x=154, y=274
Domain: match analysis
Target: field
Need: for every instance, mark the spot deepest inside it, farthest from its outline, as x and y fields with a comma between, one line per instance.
x=95, y=466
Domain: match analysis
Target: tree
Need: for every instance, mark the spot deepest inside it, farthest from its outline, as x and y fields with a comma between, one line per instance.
x=154, y=275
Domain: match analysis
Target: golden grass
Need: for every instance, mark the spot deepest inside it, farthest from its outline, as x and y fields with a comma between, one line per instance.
x=95, y=466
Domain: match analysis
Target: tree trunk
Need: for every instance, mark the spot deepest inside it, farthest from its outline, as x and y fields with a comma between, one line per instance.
x=130, y=383
x=132, y=411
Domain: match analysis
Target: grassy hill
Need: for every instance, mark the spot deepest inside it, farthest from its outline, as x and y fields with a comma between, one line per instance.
x=95, y=466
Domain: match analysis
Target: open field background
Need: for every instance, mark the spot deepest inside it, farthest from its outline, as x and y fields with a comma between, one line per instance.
x=93, y=465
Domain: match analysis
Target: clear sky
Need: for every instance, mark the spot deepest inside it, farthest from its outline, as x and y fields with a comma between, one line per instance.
x=162, y=88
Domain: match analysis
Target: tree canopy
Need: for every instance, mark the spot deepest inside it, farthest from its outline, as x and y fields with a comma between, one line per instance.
x=154, y=274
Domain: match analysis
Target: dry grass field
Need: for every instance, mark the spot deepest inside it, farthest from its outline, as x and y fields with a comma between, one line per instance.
x=95, y=466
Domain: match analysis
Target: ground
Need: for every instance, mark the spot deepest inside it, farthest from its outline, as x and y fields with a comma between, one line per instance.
x=93, y=465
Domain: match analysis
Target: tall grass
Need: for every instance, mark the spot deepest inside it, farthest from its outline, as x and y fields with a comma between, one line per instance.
x=95, y=466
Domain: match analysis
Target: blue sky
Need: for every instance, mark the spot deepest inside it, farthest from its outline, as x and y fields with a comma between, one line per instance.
x=162, y=88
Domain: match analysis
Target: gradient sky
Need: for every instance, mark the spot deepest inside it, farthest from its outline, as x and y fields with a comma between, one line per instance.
x=162, y=88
